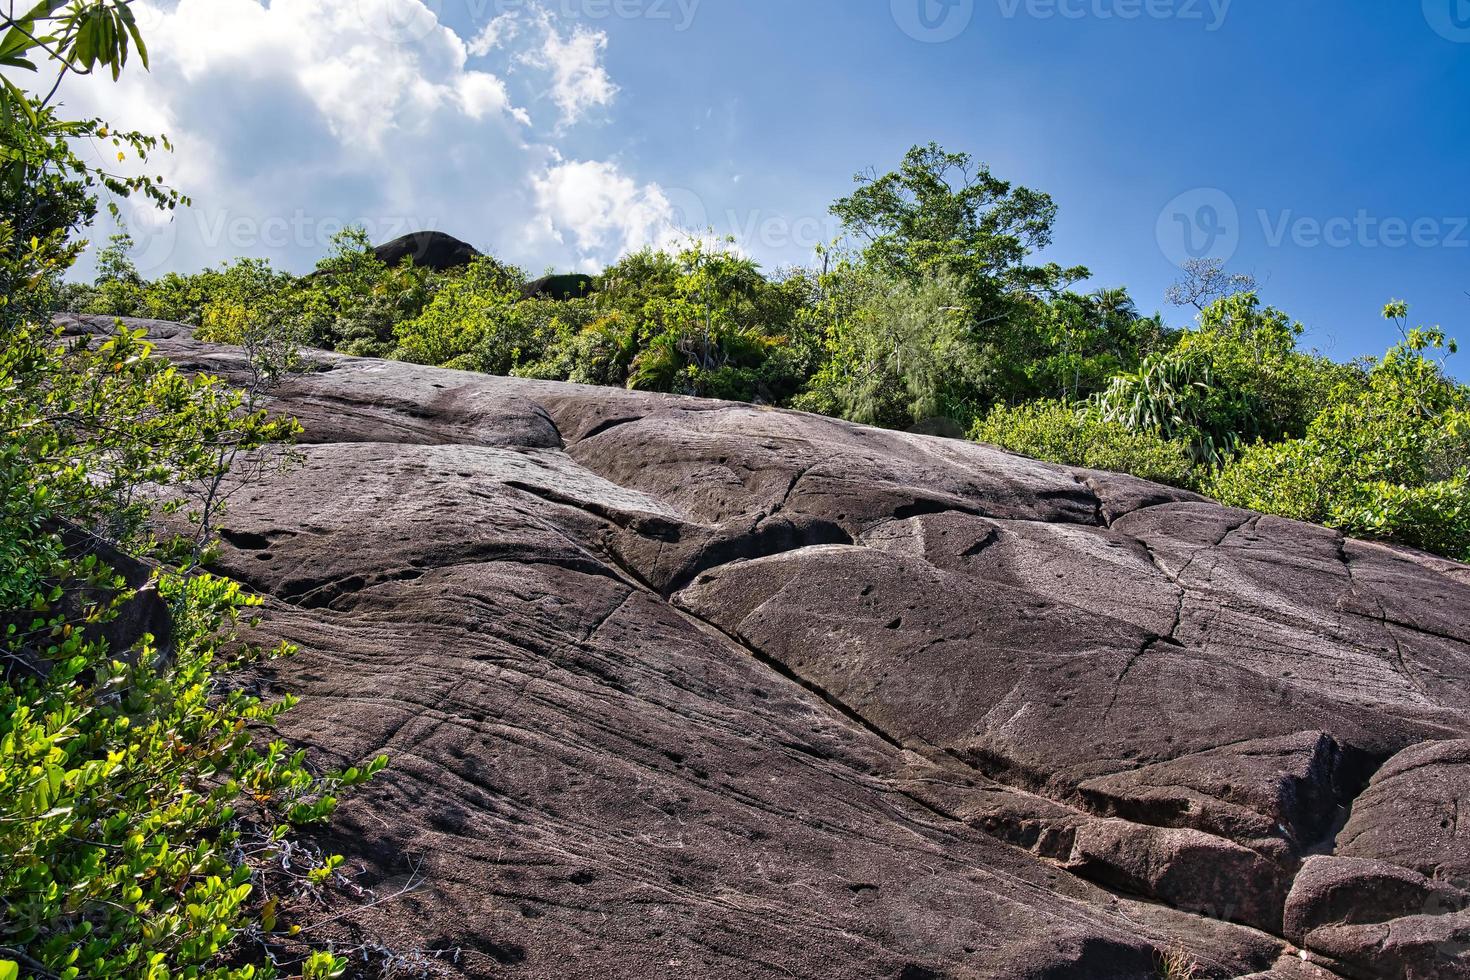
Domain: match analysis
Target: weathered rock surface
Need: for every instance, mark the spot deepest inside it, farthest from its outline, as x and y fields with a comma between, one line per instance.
x=693, y=689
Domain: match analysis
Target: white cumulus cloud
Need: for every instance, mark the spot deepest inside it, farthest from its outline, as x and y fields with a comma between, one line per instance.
x=601, y=210
x=368, y=66
x=579, y=81
x=294, y=118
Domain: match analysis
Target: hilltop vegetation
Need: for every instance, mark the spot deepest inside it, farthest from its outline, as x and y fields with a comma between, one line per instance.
x=942, y=313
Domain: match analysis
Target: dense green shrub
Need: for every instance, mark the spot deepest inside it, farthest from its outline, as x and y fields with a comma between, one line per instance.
x=1254, y=355
x=578, y=342
x=1387, y=458
x=353, y=301
x=702, y=321
x=227, y=299
x=573, y=342
x=1237, y=378
x=1081, y=342
x=1177, y=396
x=117, y=289
x=123, y=769
x=139, y=812
x=1077, y=436
x=123, y=773
x=707, y=323
x=471, y=323
x=895, y=352
x=939, y=311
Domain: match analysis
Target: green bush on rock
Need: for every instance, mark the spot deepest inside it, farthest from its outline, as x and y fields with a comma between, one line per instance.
x=1077, y=436
x=1388, y=458
x=137, y=810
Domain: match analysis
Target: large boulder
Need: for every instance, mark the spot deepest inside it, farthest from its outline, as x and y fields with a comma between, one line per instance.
x=678, y=687
x=430, y=249
x=572, y=285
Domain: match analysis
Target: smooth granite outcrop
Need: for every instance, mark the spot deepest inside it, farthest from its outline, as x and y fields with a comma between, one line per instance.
x=684, y=688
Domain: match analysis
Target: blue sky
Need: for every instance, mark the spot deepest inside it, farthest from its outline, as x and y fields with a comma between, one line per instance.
x=1320, y=145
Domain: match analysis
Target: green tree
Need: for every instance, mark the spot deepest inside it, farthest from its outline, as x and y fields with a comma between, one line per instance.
x=898, y=352
x=1085, y=340
x=706, y=335
x=1254, y=353
x=233, y=300
x=1238, y=377
x=354, y=300
x=46, y=189
x=118, y=288
x=700, y=321
x=1388, y=458
x=940, y=214
x=582, y=344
